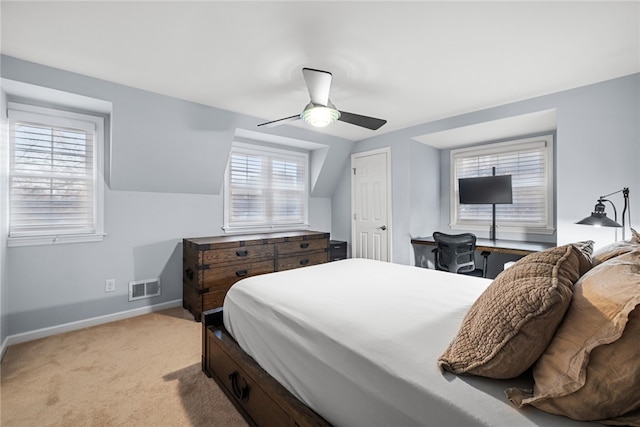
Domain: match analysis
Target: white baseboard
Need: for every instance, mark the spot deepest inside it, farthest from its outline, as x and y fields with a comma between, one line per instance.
x=3, y=347
x=81, y=324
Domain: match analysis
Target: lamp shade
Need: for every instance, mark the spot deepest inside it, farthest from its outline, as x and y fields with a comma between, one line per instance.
x=599, y=218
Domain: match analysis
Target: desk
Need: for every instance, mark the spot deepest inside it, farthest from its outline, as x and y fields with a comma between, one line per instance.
x=513, y=247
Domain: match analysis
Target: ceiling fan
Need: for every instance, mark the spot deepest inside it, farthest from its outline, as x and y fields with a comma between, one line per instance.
x=320, y=112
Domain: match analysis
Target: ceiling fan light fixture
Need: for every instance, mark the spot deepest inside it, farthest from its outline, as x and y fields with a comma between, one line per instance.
x=320, y=116
x=320, y=112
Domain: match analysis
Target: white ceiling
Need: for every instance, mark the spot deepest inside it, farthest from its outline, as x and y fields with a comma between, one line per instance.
x=407, y=62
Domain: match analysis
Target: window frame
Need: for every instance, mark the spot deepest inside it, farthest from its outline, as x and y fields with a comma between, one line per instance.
x=273, y=152
x=514, y=145
x=57, y=117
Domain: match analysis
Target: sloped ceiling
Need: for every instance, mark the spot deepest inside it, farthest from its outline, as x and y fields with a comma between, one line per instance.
x=407, y=62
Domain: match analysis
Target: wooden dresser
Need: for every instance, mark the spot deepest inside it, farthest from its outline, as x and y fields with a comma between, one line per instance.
x=210, y=265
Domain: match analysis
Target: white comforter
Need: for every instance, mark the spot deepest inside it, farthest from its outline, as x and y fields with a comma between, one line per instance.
x=357, y=340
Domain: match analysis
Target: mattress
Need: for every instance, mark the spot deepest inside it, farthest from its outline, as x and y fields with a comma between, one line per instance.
x=357, y=341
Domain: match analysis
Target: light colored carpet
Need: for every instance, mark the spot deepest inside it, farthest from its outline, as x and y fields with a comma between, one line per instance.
x=143, y=371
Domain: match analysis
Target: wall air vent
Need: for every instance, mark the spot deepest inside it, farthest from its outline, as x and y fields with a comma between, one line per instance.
x=144, y=289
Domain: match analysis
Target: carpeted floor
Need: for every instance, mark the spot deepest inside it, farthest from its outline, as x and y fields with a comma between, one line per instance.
x=143, y=371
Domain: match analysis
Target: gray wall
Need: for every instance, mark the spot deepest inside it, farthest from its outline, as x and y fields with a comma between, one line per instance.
x=414, y=186
x=166, y=171
x=597, y=152
x=164, y=180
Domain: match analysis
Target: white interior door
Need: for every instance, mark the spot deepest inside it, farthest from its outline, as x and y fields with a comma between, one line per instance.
x=370, y=205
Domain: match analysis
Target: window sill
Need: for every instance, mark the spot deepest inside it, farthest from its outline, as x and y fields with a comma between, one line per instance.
x=545, y=231
x=265, y=229
x=54, y=240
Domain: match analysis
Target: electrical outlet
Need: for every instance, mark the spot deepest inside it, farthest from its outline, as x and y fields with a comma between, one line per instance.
x=110, y=285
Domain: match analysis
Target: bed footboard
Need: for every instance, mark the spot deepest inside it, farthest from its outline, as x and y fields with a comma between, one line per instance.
x=256, y=394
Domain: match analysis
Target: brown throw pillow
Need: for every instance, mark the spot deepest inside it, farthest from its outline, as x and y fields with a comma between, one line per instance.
x=512, y=322
x=591, y=369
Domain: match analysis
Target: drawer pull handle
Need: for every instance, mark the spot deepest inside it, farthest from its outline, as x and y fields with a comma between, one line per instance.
x=241, y=273
x=189, y=273
x=242, y=253
x=304, y=261
x=240, y=392
x=304, y=245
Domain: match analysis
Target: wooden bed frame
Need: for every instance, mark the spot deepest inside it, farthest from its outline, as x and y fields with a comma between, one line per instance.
x=260, y=399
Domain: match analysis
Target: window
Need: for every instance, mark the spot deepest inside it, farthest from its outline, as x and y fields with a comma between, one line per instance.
x=265, y=188
x=530, y=163
x=55, y=179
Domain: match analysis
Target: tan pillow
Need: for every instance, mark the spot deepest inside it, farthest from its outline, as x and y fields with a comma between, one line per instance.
x=591, y=369
x=514, y=319
x=586, y=247
x=615, y=249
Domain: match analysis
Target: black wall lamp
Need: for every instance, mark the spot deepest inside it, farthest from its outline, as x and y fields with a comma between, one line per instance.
x=599, y=217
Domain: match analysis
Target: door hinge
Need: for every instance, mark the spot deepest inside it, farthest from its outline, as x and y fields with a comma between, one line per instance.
x=354, y=171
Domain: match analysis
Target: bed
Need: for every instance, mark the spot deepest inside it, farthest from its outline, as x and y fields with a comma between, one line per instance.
x=355, y=343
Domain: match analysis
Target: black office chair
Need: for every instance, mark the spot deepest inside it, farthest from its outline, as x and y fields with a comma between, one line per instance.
x=456, y=253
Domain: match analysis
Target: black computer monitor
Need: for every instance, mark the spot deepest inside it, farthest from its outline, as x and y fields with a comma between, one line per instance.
x=485, y=190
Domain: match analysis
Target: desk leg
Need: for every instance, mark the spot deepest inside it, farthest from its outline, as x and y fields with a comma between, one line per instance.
x=485, y=262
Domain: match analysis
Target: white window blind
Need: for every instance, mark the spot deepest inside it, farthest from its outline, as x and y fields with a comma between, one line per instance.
x=529, y=162
x=53, y=176
x=265, y=188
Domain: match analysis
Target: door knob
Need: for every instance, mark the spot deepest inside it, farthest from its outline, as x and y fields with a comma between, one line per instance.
x=383, y=227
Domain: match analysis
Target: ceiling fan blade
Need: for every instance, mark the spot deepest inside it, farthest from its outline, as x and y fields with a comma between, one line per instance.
x=319, y=85
x=279, y=122
x=362, y=121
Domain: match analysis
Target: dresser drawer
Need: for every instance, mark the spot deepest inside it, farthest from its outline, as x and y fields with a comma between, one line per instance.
x=214, y=298
x=241, y=253
x=302, y=246
x=209, y=290
x=243, y=389
x=228, y=274
x=302, y=260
